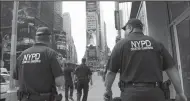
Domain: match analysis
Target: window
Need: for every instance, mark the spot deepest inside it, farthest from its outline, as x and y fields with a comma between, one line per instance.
x=176, y=8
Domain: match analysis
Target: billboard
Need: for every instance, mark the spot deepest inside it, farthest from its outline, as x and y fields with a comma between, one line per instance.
x=60, y=42
x=92, y=32
x=91, y=6
x=91, y=16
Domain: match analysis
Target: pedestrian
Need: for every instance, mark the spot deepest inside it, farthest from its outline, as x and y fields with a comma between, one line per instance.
x=68, y=72
x=141, y=61
x=38, y=70
x=83, y=76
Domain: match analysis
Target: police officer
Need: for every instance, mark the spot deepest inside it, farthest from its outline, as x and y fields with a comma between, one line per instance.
x=139, y=58
x=38, y=71
x=83, y=75
x=68, y=72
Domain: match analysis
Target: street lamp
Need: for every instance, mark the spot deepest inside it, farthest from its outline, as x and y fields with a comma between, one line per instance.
x=13, y=43
x=117, y=20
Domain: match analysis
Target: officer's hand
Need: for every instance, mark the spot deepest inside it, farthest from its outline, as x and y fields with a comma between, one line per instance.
x=181, y=97
x=108, y=96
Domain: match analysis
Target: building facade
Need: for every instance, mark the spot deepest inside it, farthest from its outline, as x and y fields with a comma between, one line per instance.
x=169, y=23
x=92, y=33
x=96, y=40
x=124, y=10
x=70, y=45
x=31, y=15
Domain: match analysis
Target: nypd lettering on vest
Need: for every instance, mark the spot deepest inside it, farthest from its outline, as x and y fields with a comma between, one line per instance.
x=141, y=45
x=31, y=58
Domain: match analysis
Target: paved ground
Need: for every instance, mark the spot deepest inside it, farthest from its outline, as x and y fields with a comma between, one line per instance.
x=97, y=89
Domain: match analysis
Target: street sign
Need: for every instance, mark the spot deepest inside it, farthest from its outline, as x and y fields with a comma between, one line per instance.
x=91, y=6
x=91, y=20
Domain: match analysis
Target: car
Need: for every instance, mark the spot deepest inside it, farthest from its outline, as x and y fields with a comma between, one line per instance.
x=4, y=88
x=6, y=77
x=4, y=71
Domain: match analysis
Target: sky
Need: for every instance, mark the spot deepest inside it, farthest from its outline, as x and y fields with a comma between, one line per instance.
x=77, y=10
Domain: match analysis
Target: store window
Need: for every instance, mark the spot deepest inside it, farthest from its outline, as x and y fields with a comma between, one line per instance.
x=177, y=7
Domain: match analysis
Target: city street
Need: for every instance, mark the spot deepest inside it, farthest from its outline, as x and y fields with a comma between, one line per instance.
x=96, y=91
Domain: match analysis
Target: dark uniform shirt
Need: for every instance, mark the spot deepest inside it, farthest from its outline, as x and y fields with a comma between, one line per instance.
x=37, y=68
x=83, y=72
x=140, y=59
x=68, y=74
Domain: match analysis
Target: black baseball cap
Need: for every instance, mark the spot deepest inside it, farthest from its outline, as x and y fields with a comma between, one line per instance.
x=43, y=31
x=134, y=23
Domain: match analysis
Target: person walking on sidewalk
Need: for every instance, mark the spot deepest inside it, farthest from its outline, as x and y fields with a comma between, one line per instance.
x=83, y=75
x=38, y=70
x=68, y=72
x=141, y=60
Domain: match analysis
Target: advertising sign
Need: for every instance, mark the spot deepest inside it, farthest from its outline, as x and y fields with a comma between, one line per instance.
x=91, y=6
x=91, y=20
x=91, y=17
x=93, y=63
x=60, y=42
x=92, y=52
x=92, y=32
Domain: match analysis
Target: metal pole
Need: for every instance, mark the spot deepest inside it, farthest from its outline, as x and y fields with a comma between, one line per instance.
x=2, y=52
x=13, y=43
x=117, y=9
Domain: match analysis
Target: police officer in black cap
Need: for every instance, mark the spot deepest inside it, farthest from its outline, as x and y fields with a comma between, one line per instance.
x=141, y=61
x=38, y=70
x=83, y=75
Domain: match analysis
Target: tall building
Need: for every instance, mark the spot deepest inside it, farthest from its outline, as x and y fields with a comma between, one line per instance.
x=93, y=37
x=124, y=9
x=58, y=20
x=96, y=35
x=58, y=7
x=31, y=15
x=169, y=23
x=67, y=23
x=71, y=49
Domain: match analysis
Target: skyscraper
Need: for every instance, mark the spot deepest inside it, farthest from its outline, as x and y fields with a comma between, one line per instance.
x=71, y=49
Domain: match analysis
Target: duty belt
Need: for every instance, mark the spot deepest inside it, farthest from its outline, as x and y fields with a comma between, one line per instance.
x=141, y=84
x=42, y=96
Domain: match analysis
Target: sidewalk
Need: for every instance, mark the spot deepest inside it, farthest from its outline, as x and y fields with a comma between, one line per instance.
x=97, y=90
x=12, y=95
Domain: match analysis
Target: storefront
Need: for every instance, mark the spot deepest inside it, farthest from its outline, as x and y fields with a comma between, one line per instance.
x=169, y=23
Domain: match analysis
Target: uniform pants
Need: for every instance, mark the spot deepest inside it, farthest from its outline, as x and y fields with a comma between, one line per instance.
x=82, y=86
x=142, y=94
x=68, y=88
